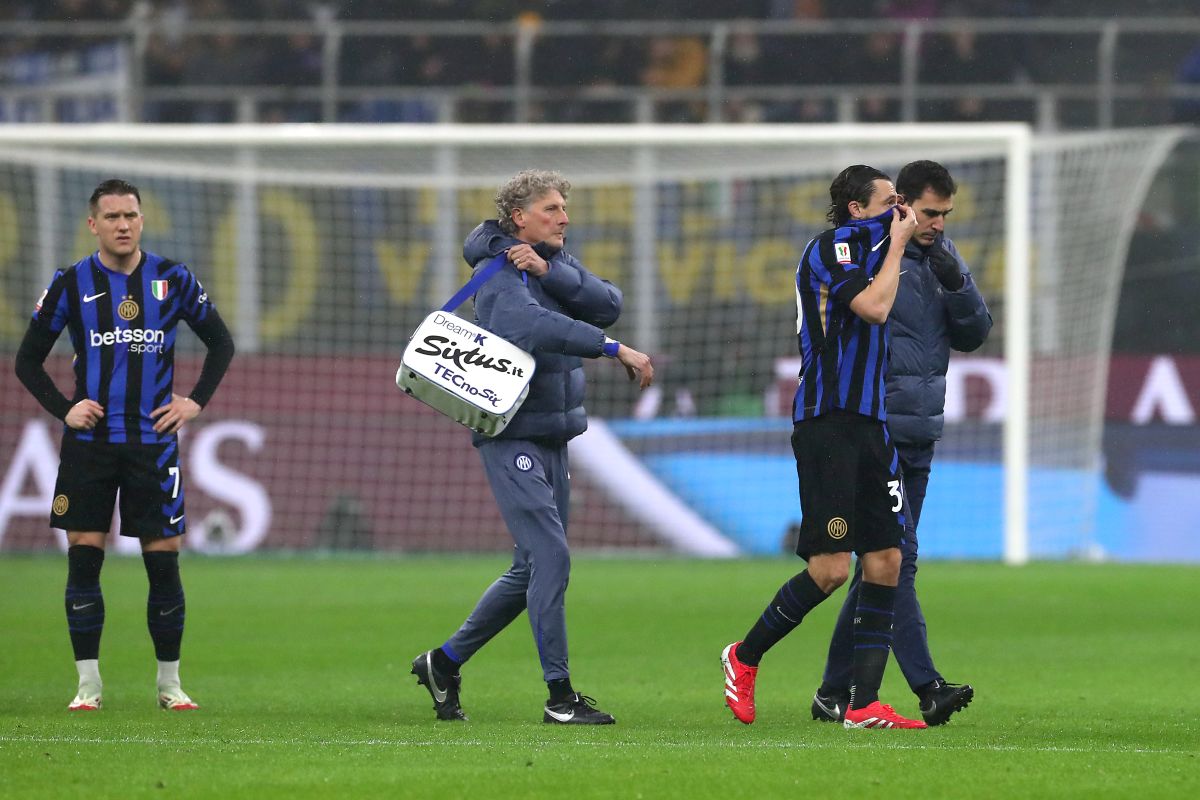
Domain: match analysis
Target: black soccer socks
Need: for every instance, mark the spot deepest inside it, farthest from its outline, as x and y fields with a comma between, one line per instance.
x=793, y=600
x=560, y=690
x=164, y=605
x=443, y=663
x=85, y=604
x=872, y=641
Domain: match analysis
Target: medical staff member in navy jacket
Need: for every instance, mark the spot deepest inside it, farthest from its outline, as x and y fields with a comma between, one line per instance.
x=548, y=304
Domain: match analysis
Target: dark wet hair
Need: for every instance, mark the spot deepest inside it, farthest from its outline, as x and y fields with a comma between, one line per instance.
x=856, y=183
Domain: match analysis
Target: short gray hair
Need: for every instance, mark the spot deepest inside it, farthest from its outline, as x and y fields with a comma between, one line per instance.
x=523, y=189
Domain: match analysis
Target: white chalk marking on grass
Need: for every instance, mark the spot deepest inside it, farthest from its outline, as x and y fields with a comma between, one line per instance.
x=876, y=742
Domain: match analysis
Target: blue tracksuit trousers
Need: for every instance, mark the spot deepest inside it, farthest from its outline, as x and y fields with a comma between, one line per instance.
x=532, y=488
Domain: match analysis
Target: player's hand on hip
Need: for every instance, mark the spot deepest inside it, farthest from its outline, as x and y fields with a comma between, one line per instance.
x=84, y=415
x=171, y=417
x=637, y=365
x=904, y=224
x=525, y=259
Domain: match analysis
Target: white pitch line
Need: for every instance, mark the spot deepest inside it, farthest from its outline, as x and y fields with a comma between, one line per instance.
x=823, y=745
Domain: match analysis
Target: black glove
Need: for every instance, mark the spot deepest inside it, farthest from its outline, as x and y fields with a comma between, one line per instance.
x=945, y=266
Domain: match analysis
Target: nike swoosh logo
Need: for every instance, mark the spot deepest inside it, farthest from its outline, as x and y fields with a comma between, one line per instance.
x=82, y=607
x=881, y=241
x=176, y=519
x=87, y=298
x=439, y=694
x=785, y=616
x=832, y=710
x=169, y=611
x=903, y=271
x=561, y=717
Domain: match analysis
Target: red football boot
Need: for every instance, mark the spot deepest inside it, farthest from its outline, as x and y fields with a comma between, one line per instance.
x=877, y=715
x=739, y=684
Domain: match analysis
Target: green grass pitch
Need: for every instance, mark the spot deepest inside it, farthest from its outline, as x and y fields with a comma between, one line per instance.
x=1085, y=678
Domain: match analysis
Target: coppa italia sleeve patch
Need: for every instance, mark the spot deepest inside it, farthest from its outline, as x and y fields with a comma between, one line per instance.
x=841, y=251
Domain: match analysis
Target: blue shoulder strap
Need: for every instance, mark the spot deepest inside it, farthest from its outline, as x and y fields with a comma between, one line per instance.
x=478, y=279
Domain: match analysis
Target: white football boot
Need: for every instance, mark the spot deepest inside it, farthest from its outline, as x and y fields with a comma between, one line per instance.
x=173, y=698
x=87, y=699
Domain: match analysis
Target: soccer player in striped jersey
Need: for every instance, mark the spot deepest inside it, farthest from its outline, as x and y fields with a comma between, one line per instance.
x=121, y=306
x=938, y=308
x=850, y=485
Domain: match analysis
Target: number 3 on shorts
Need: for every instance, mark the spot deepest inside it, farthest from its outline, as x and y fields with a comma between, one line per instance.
x=894, y=491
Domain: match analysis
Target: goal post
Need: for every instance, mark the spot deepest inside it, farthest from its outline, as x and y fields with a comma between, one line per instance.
x=324, y=245
x=1016, y=344
x=1087, y=190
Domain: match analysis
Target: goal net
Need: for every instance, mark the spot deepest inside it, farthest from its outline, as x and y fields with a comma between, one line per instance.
x=323, y=247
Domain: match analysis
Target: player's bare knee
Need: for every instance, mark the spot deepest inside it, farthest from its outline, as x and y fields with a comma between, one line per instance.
x=160, y=544
x=89, y=538
x=829, y=572
x=882, y=566
x=830, y=584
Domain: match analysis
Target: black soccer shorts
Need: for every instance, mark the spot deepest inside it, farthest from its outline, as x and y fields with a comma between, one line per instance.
x=147, y=476
x=851, y=490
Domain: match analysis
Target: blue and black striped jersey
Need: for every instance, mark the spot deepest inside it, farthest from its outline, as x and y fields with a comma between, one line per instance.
x=843, y=357
x=123, y=330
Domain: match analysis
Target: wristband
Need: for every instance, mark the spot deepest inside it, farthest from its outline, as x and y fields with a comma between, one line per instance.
x=611, y=346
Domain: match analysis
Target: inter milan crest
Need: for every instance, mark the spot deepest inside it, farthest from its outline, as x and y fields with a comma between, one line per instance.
x=523, y=462
x=837, y=528
x=128, y=310
x=159, y=290
x=61, y=504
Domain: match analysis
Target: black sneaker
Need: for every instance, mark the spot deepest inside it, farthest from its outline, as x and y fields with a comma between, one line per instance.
x=577, y=709
x=940, y=699
x=442, y=688
x=830, y=706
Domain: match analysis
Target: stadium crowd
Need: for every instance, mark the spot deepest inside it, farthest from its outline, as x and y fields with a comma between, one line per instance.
x=500, y=10
x=579, y=67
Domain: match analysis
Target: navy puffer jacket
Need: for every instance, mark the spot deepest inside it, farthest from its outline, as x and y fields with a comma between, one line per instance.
x=925, y=322
x=558, y=318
